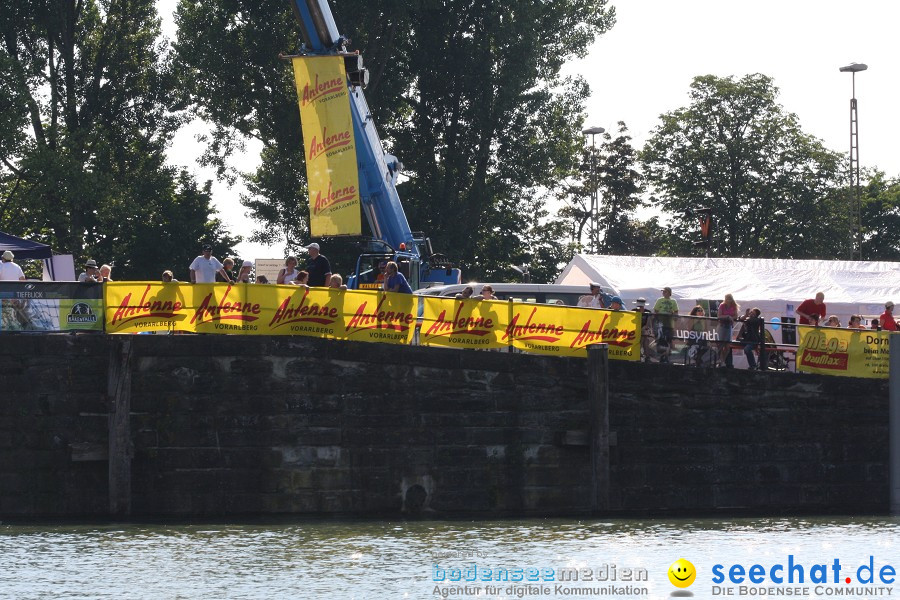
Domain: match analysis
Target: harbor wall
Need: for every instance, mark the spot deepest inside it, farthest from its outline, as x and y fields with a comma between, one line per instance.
x=228, y=425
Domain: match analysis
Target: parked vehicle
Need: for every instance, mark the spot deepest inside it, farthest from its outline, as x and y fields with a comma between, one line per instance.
x=539, y=293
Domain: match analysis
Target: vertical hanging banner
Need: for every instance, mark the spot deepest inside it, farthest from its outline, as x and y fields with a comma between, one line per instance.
x=847, y=352
x=331, y=169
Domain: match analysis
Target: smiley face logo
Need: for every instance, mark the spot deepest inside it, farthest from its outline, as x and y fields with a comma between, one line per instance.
x=682, y=573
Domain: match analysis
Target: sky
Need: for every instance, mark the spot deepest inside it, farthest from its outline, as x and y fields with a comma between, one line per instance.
x=643, y=68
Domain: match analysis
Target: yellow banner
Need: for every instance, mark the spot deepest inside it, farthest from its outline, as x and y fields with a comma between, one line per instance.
x=371, y=316
x=367, y=315
x=466, y=323
x=260, y=310
x=145, y=306
x=331, y=170
x=566, y=331
x=847, y=352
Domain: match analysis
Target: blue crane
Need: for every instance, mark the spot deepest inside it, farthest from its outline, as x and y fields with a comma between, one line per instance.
x=392, y=238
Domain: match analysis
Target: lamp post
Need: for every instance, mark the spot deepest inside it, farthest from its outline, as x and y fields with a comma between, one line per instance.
x=856, y=252
x=595, y=242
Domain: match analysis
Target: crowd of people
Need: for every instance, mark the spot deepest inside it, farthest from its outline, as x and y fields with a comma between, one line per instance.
x=751, y=336
x=206, y=268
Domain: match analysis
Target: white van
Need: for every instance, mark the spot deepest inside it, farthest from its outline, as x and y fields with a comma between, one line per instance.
x=538, y=293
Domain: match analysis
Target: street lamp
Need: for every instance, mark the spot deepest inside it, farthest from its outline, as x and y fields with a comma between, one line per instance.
x=856, y=252
x=595, y=242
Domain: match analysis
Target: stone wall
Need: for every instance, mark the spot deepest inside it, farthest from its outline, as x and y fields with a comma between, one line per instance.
x=255, y=425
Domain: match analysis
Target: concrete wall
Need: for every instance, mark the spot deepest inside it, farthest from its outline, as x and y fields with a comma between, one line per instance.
x=228, y=425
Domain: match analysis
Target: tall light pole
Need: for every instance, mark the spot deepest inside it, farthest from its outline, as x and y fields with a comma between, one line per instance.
x=856, y=252
x=595, y=209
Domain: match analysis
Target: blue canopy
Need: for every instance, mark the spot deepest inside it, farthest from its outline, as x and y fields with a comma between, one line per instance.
x=23, y=248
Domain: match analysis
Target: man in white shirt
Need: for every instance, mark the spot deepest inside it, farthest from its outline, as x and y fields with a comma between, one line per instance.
x=10, y=271
x=205, y=267
x=596, y=299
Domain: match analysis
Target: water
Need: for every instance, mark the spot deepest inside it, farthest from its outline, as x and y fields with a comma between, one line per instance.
x=377, y=559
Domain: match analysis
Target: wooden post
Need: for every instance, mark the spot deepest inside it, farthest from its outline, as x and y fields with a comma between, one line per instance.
x=120, y=448
x=598, y=399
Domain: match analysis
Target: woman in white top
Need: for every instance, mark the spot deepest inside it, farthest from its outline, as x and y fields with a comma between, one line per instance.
x=289, y=272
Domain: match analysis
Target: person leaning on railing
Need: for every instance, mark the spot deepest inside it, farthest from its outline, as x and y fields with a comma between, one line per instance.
x=394, y=281
x=832, y=321
x=727, y=315
x=752, y=334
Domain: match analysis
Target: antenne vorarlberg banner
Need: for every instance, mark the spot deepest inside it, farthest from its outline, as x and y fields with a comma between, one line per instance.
x=331, y=170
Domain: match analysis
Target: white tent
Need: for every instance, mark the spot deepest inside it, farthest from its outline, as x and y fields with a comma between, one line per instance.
x=776, y=286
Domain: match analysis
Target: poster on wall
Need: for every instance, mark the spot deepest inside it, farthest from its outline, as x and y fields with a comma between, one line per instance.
x=847, y=352
x=50, y=307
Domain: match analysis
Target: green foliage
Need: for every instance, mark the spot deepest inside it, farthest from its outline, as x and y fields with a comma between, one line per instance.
x=614, y=168
x=227, y=58
x=467, y=94
x=881, y=218
x=774, y=190
x=91, y=82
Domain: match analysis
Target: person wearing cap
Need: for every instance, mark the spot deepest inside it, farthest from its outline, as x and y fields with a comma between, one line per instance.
x=615, y=303
x=205, y=267
x=244, y=273
x=596, y=299
x=318, y=267
x=91, y=272
x=10, y=271
x=665, y=309
x=888, y=323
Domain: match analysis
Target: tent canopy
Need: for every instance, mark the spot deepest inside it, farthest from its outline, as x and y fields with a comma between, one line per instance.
x=23, y=248
x=777, y=286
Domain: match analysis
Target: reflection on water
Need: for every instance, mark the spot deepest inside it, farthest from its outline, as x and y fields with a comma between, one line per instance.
x=366, y=559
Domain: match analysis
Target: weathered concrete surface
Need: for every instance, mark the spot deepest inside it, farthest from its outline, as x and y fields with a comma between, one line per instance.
x=241, y=425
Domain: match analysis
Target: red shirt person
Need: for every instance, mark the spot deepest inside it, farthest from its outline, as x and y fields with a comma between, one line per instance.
x=812, y=310
x=887, y=317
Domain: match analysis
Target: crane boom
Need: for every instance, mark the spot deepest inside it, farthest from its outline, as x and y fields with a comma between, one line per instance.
x=378, y=171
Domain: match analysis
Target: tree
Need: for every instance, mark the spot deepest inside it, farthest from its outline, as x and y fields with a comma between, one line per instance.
x=615, y=166
x=620, y=188
x=774, y=190
x=881, y=218
x=227, y=60
x=469, y=96
x=85, y=91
